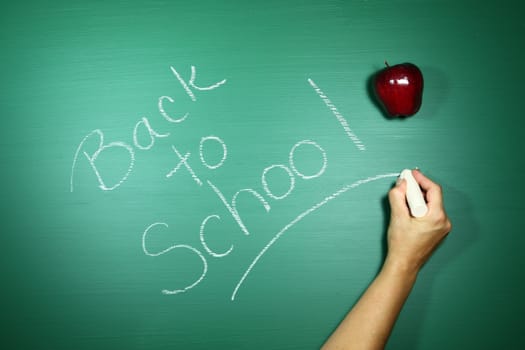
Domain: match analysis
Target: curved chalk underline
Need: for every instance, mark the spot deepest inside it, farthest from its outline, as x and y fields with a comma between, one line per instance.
x=301, y=216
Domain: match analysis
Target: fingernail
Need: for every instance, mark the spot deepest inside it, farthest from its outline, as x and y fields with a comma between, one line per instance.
x=398, y=181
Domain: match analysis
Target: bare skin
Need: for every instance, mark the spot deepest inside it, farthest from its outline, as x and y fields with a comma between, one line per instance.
x=411, y=242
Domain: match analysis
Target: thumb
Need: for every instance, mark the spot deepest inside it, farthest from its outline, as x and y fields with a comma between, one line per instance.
x=397, y=199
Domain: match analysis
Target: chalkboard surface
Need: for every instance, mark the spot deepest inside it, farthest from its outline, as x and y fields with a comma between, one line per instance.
x=212, y=174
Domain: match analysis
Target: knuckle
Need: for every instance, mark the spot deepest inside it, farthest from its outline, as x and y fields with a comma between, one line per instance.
x=448, y=225
x=393, y=192
x=441, y=220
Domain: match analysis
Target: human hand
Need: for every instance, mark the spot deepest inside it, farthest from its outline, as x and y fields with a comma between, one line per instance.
x=411, y=240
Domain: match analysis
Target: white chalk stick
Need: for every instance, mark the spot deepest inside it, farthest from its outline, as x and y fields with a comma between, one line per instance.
x=416, y=201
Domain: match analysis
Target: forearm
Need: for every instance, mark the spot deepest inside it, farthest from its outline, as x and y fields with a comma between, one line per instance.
x=411, y=241
x=371, y=320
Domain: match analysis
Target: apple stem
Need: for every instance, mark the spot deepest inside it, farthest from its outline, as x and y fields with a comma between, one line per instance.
x=386, y=64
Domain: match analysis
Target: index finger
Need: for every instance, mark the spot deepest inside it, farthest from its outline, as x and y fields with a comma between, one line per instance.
x=433, y=193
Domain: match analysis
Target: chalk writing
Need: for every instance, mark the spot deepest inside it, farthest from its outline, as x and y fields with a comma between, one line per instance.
x=267, y=188
x=292, y=158
x=92, y=159
x=302, y=216
x=201, y=153
x=176, y=246
x=166, y=115
x=183, y=161
x=145, y=123
x=191, y=83
x=203, y=240
x=292, y=172
x=338, y=115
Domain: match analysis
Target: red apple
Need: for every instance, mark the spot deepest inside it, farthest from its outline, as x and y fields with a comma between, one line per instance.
x=400, y=89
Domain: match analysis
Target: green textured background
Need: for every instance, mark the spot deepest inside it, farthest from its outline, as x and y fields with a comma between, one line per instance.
x=73, y=272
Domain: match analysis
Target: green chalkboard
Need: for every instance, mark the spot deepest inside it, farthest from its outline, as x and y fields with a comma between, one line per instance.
x=213, y=174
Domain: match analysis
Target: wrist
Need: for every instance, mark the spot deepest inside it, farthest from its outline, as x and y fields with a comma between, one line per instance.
x=400, y=267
